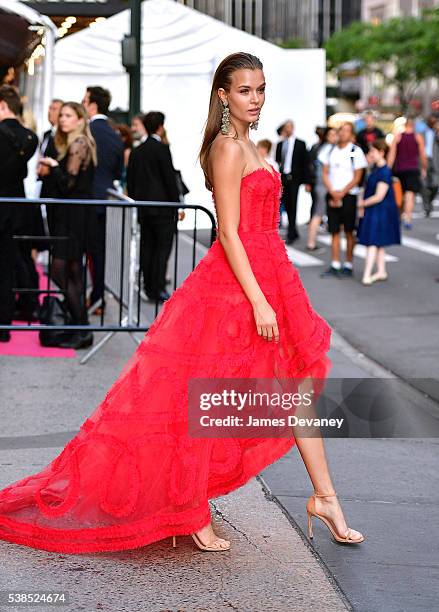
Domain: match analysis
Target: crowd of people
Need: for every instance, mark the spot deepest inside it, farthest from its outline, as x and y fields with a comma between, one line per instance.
x=80, y=157
x=358, y=185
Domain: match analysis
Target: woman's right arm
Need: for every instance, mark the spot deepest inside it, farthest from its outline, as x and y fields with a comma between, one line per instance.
x=227, y=166
x=391, y=156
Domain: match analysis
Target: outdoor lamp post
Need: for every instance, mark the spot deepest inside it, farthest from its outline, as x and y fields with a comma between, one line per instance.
x=131, y=58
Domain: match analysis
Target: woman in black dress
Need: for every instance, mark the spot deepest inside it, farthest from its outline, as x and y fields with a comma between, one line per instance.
x=73, y=174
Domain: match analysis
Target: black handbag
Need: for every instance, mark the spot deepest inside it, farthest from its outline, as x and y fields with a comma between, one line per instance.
x=53, y=312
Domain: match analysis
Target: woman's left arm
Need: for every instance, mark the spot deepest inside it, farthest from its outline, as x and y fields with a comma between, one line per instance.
x=379, y=195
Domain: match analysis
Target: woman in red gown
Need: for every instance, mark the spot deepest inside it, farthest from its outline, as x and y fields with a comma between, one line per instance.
x=132, y=475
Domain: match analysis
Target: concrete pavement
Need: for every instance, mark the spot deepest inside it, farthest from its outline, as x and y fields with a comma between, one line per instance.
x=270, y=567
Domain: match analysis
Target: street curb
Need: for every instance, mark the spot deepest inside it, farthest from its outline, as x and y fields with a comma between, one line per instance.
x=269, y=496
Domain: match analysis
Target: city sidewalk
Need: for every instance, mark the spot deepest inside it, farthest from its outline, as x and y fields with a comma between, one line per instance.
x=270, y=566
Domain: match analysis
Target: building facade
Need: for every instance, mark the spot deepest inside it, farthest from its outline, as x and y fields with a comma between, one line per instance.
x=378, y=10
x=309, y=23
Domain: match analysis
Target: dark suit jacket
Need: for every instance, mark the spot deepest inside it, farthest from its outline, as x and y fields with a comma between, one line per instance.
x=17, y=146
x=48, y=186
x=300, y=165
x=110, y=148
x=151, y=176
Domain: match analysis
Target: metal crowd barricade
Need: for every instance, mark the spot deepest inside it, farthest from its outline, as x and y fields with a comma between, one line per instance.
x=122, y=269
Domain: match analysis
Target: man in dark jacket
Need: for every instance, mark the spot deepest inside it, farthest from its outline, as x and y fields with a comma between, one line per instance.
x=17, y=146
x=151, y=176
x=294, y=165
x=48, y=149
x=110, y=153
x=370, y=133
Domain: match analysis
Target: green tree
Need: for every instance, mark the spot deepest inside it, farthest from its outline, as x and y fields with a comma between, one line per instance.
x=403, y=50
x=293, y=43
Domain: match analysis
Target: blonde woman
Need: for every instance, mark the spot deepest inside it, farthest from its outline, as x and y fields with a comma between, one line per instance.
x=133, y=474
x=73, y=174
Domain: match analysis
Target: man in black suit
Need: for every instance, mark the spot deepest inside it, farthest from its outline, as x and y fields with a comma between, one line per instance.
x=293, y=159
x=48, y=149
x=110, y=153
x=151, y=176
x=17, y=146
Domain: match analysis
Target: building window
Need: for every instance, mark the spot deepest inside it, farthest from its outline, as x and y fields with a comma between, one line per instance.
x=377, y=14
x=406, y=7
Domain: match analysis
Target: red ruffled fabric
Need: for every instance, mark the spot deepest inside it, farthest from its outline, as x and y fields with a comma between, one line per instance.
x=132, y=475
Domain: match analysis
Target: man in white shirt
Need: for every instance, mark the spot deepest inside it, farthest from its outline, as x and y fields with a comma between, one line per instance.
x=343, y=166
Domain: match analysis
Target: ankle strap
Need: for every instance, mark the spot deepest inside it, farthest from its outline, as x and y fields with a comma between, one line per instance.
x=325, y=494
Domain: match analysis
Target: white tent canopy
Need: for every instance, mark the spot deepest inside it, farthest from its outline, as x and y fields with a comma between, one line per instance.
x=180, y=51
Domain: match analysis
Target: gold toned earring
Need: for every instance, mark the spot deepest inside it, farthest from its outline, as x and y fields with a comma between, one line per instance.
x=225, y=119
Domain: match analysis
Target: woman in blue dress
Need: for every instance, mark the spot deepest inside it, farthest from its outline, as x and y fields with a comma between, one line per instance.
x=380, y=225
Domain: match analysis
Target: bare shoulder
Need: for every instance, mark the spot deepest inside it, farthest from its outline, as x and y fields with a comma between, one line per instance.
x=226, y=152
x=80, y=143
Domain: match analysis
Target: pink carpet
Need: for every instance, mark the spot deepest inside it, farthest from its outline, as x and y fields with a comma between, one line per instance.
x=27, y=344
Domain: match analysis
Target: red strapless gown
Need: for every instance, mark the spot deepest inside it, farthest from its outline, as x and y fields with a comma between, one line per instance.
x=132, y=476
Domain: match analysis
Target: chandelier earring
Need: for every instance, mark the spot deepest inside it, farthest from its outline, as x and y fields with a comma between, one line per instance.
x=254, y=124
x=225, y=119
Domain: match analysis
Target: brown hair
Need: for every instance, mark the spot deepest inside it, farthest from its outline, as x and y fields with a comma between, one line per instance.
x=11, y=96
x=125, y=134
x=380, y=145
x=222, y=79
x=265, y=143
x=63, y=140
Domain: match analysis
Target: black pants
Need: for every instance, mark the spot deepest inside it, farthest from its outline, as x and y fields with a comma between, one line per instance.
x=26, y=277
x=98, y=258
x=7, y=269
x=156, y=236
x=289, y=198
x=429, y=187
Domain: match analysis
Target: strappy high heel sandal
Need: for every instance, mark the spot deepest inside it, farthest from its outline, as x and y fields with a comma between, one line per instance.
x=311, y=511
x=212, y=547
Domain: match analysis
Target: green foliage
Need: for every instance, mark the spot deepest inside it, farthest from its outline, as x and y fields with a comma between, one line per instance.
x=404, y=50
x=293, y=43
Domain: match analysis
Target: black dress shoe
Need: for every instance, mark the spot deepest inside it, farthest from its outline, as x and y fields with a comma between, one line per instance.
x=5, y=335
x=78, y=340
x=161, y=297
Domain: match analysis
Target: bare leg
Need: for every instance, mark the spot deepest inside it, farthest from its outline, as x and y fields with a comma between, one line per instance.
x=312, y=231
x=371, y=254
x=335, y=247
x=381, y=262
x=409, y=204
x=349, y=246
x=312, y=451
